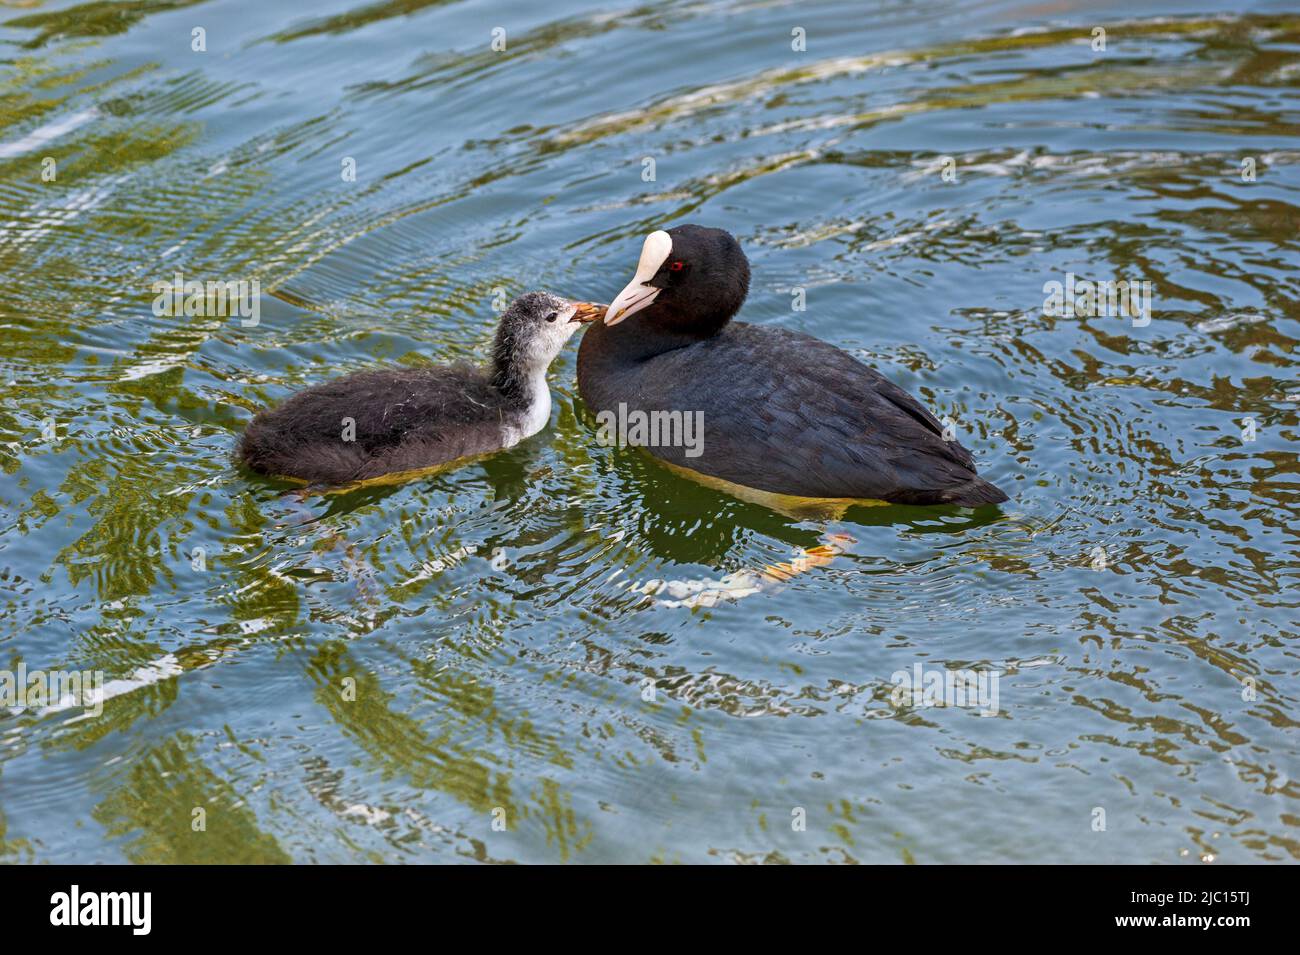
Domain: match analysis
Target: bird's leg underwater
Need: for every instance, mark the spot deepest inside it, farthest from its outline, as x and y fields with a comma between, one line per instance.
x=810, y=557
x=744, y=583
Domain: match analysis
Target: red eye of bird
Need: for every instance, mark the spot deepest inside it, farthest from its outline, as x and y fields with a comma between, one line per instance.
x=677, y=266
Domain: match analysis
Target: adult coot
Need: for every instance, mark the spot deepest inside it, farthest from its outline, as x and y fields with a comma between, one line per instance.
x=781, y=411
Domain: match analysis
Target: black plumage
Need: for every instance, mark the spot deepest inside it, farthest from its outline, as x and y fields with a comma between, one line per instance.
x=782, y=411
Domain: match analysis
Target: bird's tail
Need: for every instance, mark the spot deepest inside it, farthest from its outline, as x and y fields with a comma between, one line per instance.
x=974, y=493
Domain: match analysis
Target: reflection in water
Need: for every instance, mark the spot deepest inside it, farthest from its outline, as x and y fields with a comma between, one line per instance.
x=568, y=652
x=148, y=810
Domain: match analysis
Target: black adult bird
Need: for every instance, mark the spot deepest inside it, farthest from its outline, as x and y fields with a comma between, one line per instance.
x=783, y=412
x=404, y=419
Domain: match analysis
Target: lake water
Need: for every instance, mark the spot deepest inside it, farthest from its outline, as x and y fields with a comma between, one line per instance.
x=464, y=667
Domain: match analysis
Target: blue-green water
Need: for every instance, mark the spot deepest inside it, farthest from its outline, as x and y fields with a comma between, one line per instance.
x=356, y=678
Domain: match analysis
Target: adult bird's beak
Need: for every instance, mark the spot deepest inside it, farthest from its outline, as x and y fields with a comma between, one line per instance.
x=587, y=312
x=639, y=294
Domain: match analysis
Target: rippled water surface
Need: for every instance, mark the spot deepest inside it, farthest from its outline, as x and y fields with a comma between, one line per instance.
x=384, y=674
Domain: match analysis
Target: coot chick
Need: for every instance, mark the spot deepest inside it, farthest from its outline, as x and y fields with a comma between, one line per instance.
x=403, y=419
x=783, y=412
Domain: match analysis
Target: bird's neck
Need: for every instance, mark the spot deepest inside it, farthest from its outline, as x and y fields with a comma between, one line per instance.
x=643, y=336
x=520, y=385
x=527, y=400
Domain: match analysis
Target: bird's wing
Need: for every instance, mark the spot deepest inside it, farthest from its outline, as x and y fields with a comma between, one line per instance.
x=789, y=413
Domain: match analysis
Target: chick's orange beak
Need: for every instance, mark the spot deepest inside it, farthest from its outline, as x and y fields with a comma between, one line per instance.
x=588, y=312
